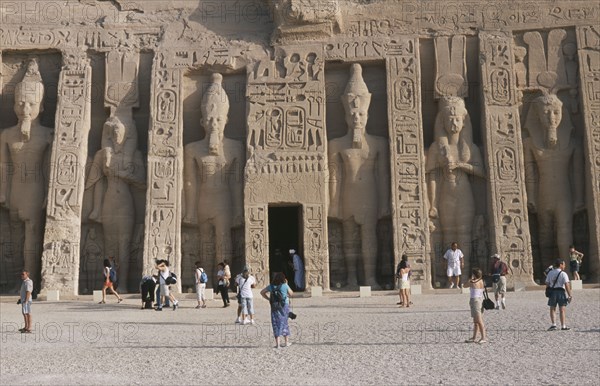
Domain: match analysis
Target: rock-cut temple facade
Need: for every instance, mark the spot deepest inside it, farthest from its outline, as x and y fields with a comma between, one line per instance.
x=351, y=131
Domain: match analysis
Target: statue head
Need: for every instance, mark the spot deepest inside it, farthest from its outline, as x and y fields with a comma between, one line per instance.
x=453, y=119
x=28, y=98
x=356, y=100
x=117, y=130
x=549, y=111
x=214, y=108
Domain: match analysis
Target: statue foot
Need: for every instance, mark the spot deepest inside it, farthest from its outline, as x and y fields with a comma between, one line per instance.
x=95, y=215
x=374, y=285
x=351, y=285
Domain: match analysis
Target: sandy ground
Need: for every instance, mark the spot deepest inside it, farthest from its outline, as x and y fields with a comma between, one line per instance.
x=336, y=340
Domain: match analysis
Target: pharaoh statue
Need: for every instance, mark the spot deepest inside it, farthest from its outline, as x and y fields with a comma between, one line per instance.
x=117, y=166
x=554, y=174
x=213, y=186
x=24, y=155
x=451, y=159
x=359, y=187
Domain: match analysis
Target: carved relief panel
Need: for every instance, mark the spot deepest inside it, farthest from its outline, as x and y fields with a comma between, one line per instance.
x=510, y=231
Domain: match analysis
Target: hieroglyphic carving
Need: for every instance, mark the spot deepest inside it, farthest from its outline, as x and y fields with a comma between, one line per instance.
x=305, y=19
x=406, y=145
x=546, y=62
x=165, y=169
x=285, y=150
x=60, y=259
x=257, y=250
x=510, y=232
x=315, y=239
x=588, y=41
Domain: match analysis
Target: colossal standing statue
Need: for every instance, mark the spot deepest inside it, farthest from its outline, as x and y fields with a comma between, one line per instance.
x=213, y=185
x=554, y=174
x=359, y=186
x=117, y=166
x=451, y=159
x=24, y=155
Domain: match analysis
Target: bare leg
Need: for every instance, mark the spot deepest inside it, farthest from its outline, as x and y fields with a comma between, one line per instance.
x=552, y=315
x=562, y=314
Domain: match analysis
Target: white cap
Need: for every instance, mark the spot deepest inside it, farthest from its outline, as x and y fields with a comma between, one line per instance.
x=496, y=256
x=292, y=251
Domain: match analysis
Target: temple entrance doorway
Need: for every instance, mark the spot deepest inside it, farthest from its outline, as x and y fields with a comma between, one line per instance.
x=285, y=232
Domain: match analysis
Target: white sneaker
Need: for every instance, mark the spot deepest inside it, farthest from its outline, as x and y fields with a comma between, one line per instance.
x=503, y=305
x=251, y=321
x=451, y=285
x=238, y=321
x=246, y=321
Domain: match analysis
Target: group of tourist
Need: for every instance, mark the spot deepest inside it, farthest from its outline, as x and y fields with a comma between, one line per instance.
x=279, y=292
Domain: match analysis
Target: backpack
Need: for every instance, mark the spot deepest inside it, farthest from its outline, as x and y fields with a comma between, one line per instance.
x=276, y=299
x=112, y=275
x=203, y=277
x=171, y=279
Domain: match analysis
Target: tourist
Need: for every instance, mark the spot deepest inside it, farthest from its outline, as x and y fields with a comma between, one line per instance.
x=163, y=274
x=404, y=283
x=498, y=271
x=110, y=280
x=25, y=300
x=238, y=320
x=455, y=259
x=279, y=293
x=147, y=286
x=558, y=296
x=298, y=270
x=223, y=280
x=402, y=264
x=575, y=262
x=245, y=282
x=201, y=279
x=476, y=304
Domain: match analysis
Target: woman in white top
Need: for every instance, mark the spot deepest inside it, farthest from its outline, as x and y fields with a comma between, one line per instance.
x=404, y=285
x=476, y=303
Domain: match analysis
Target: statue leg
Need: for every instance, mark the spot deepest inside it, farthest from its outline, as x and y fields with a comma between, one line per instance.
x=17, y=240
x=564, y=230
x=349, y=245
x=123, y=259
x=32, y=250
x=546, y=241
x=96, y=178
x=224, y=247
x=369, y=253
x=206, y=248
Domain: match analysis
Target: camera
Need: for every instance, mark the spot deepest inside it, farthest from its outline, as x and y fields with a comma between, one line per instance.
x=292, y=316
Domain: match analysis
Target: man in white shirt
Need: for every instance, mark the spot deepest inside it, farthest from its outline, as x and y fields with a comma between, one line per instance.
x=298, y=270
x=558, y=280
x=455, y=259
x=25, y=300
x=245, y=283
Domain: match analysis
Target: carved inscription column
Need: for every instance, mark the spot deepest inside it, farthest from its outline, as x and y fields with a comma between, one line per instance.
x=588, y=43
x=257, y=250
x=408, y=166
x=60, y=258
x=162, y=238
x=510, y=230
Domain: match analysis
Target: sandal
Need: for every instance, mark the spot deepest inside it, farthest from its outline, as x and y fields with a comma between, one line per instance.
x=482, y=341
x=470, y=340
x=120, y=300
x=102, y=302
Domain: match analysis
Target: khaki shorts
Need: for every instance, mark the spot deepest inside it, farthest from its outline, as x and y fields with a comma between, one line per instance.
x=500, y=287
x=404, y=284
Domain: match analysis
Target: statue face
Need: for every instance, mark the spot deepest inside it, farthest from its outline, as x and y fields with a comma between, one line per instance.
x=550, y=115
x=356, y=118
x=454, y=123
x=28, y=104
x=215, y=122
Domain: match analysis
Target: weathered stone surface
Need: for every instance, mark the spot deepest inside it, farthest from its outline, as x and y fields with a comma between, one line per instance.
x=141, y=71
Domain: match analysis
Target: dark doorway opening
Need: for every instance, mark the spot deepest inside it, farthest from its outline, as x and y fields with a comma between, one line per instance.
x=285, y=232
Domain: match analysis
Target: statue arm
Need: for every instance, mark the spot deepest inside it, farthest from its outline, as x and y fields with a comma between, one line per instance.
x=530, y=176
x=475, y=166
x=189, y=186
x=430, y=170
x=335, y=179
x=383, y=181
x=4, y=170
